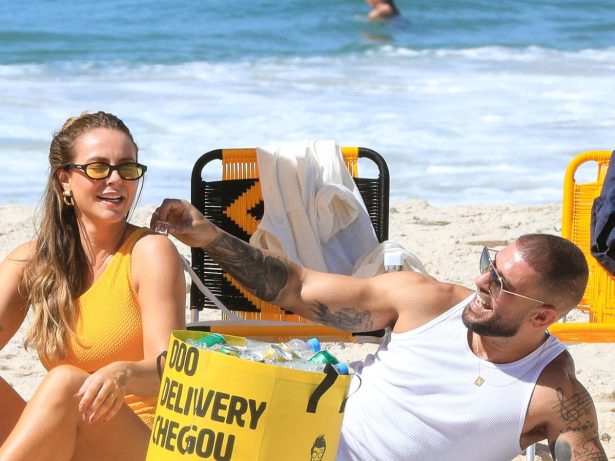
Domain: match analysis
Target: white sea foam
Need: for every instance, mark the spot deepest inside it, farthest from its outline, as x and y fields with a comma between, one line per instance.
x=454, y=125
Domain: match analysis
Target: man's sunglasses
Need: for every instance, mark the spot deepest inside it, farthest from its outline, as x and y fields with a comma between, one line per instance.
x=496, y=283
x=100, y=170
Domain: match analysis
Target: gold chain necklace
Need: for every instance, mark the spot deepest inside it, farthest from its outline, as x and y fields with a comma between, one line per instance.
x=479, y=381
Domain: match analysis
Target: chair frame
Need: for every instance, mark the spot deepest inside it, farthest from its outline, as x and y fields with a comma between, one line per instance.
x=239, y=168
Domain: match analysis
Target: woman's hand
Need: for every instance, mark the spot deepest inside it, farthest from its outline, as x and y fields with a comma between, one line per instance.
x=102, y=394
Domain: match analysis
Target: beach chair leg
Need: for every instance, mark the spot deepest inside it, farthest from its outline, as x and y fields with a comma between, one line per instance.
x=530, y=452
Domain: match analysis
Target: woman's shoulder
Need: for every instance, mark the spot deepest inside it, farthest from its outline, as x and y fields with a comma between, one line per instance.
x=153, y=247
x=155, y=259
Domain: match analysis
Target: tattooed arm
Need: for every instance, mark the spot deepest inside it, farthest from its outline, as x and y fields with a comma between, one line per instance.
x=576, y=437
x=564, y=413
x=349, y=303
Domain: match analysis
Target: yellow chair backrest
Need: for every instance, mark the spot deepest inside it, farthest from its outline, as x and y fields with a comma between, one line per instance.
x=599, y=298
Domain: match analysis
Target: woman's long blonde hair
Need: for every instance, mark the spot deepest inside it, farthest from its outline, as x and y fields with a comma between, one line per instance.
x=56, y=273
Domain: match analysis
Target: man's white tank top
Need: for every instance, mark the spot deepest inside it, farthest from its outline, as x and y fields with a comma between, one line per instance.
x=418, y=399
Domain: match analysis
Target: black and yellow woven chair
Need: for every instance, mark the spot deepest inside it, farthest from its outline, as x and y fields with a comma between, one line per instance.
x=233, y=201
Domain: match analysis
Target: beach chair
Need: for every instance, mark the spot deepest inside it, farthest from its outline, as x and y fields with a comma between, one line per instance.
x=233, y=201
x=599, y=299
x=598, y=302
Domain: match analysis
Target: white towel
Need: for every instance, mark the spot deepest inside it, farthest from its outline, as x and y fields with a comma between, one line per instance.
x=313, y=210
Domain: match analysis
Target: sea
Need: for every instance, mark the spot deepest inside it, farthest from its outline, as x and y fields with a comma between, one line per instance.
x=468, y=101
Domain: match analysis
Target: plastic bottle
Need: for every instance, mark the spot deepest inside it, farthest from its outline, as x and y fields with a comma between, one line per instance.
x=303, y=349
x=303, y=365
x=261, y=351
x=296, y=353
x=317, y=367
x=324, y=357
x=341, y=368
x=258, y=351
x=207, y=341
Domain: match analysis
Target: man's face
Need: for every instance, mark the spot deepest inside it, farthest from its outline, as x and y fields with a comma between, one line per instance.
x=480, y=317
x=504, y=315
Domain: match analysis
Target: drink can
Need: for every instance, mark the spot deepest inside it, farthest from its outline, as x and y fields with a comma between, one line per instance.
x=226, y=349
x=283, y=352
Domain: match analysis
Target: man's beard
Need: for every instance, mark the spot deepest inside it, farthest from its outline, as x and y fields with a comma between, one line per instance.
x=492, y=326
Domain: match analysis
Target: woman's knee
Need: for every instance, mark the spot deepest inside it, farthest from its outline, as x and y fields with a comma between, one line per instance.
x=64, y=381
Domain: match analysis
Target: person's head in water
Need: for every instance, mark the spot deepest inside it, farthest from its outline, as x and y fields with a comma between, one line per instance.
x=382, y=9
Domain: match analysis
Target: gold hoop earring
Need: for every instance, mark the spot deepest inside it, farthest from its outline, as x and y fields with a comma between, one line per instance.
x=67, y=197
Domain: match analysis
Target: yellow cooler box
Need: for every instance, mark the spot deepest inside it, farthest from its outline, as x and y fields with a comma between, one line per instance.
x=219, y=407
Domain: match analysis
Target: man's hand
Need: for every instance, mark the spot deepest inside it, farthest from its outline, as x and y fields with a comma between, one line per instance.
x=186, y=223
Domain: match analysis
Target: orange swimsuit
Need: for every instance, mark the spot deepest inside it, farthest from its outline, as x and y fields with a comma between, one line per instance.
x=109, y=328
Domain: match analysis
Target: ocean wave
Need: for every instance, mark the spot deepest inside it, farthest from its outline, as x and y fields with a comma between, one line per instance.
x=497, y=55
x=452, y=124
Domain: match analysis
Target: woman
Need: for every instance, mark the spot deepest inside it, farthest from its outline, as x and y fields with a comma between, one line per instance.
x=105, y=296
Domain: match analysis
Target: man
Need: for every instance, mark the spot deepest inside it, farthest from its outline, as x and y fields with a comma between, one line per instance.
x=464, y=375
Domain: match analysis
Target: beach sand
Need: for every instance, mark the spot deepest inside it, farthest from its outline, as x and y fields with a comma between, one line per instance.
x=447, y=240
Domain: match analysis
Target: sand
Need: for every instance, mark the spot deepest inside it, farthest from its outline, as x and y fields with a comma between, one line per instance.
x=447, y=240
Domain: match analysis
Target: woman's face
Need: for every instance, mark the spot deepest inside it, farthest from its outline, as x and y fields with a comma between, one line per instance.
x=108, y=199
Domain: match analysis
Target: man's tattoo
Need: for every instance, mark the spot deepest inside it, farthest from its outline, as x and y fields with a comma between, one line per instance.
x=262, y=275
x=589, y=451
x=577, y=412
x=562, y=451
x=347, y=318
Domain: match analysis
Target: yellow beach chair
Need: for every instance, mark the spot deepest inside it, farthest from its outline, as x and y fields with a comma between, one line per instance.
x=599, y=299
x=225, y=188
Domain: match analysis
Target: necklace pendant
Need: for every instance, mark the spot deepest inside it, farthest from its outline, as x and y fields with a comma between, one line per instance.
x=479, y=381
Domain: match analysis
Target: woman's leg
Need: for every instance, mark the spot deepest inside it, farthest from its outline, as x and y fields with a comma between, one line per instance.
x=51, y=427
x=12, y=406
